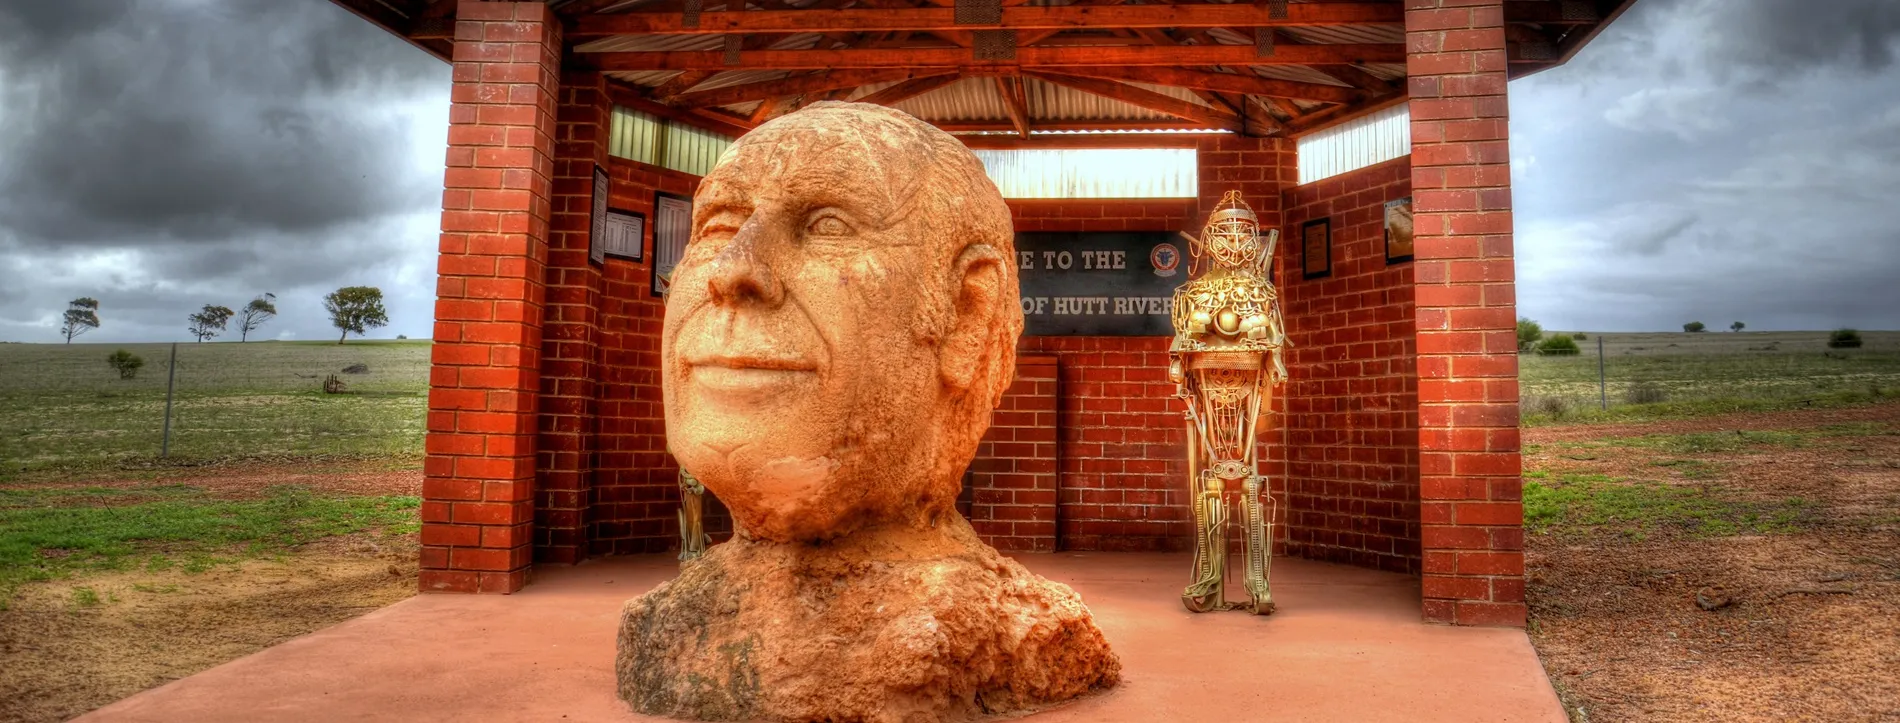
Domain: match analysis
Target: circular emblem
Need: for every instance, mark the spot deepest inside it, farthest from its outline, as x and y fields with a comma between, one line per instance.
x=1164, y=257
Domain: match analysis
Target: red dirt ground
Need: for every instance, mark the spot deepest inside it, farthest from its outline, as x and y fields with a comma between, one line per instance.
x=1806, y=625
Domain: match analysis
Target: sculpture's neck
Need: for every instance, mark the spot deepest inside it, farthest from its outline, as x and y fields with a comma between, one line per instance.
x=891, y=541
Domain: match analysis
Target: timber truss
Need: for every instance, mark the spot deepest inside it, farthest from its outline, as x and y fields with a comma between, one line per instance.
x=1012, y=67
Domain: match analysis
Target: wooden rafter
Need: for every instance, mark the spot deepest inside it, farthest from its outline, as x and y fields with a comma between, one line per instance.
x=1246, y=83
x=680, y=83
x=1090, y=140
x=1231, y=55
x=1015, y=102
x=1186, y=110
x=909, y=89
x=795, y=85
x=1020, y=18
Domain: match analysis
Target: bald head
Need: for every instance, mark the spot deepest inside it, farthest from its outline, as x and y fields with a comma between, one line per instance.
x=842, y=322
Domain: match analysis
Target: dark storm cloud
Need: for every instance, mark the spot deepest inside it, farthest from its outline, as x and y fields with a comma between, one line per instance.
x=160, y=155
x=1715, y=159
x=1788, y=37
x=201, y=121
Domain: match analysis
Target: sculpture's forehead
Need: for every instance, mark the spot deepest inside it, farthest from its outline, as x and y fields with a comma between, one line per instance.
x=877, y=176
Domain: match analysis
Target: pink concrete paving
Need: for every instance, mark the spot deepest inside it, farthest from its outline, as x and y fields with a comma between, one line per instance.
x=1347, y=645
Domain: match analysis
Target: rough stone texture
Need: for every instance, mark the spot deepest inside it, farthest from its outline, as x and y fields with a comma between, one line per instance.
x=888, y=627
x=840, y=327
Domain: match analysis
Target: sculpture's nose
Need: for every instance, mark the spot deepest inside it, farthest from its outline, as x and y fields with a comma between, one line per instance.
x=741, y=273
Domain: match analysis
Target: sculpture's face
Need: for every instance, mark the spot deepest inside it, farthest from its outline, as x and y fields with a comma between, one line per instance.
x=801, y=379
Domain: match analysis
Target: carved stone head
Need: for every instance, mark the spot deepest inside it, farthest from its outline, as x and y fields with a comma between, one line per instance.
x=843, y=320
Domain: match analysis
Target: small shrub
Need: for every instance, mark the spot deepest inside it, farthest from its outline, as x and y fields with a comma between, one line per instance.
x=1545, y=406
x=126, y=363
x=1843, y=339
x=402, y=337
x=1582, y=336
x=1559, y=345
x=1646, y=393
x=358, y=368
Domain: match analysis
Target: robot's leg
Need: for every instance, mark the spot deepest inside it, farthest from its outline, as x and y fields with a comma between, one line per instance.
x=1257, y=545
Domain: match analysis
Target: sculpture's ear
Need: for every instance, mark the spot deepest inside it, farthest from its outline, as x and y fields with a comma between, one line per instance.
x=979, y=281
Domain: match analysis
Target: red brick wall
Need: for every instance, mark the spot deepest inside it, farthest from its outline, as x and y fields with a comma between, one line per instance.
x=1353, y=388
x=636, y=489
x=1471, y=508
x=479, y=468
x=1011, y=484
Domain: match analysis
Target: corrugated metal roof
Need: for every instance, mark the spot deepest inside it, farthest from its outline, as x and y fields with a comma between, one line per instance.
x=976, y=100
x=1093, y=172
x=1355, y=144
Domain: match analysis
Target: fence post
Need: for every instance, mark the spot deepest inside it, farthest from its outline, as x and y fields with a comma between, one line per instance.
x=1603, y=384
x=171, y=375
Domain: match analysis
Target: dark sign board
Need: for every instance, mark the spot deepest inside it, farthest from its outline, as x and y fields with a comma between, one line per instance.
x=1099, y=284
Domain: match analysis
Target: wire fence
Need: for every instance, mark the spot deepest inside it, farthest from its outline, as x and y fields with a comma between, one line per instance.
x=67, y=406
x=1711, y=371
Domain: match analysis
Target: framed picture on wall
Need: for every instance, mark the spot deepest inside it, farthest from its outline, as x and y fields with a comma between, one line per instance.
x=597, y=217
x=672, y=226
x=626, y=235
x=1398, y=231
x=1316, y=248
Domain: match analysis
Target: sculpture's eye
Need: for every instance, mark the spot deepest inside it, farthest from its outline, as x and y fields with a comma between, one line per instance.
x=828, y=225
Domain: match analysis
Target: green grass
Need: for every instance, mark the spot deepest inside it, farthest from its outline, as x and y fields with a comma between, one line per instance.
x=1637, y=509
x=48, y=534
x=1710, y=373
x=63, y=408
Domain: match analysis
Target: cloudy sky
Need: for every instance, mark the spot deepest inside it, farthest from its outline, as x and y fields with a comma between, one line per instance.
x=1713, y=160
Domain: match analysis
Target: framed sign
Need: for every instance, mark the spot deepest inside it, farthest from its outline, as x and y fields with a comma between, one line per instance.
x=1316, y=248
x=1398, y=231
x=1098, y=284
x=672, y=226
x=597, y=217
x=626, y=234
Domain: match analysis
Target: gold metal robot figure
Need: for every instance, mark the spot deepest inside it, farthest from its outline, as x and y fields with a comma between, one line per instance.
x=1226, y=359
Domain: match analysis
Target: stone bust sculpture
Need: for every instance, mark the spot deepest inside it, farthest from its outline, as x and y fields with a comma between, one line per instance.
x=841, y=324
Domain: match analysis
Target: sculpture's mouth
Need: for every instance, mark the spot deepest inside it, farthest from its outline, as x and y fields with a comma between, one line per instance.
x=749, y=375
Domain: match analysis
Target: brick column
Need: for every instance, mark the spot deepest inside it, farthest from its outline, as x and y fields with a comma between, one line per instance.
x=477, y=508
x=1013, y=478
x=570, y=367
x=1471, y=513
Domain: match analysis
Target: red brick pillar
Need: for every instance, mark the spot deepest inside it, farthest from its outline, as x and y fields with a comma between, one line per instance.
x=1471, y=513
x=571, y=341
x=477, y=509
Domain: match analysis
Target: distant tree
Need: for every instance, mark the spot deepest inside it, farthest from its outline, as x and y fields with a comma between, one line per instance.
x=1844, y=339
x=126, y=363
x=355, y=310
x=1528, y=332
x=1695, y=327
x=260, y=310
x=210, y=322
x=1737, y=326
x=82, y=315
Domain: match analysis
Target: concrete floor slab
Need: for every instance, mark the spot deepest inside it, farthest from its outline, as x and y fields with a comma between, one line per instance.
x=1346, y=645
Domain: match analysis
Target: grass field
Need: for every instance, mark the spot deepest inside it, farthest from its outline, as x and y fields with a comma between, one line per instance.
x=1707, y=373
x=63, y=408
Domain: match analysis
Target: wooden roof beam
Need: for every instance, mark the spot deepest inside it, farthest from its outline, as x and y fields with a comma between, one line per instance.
x=1230, y=55
x=1245, y=83
x=909, y=89
x=795, y=85
x=1552, y=12
x=1186, y=110
x=1015, y=102
x=1019, y=18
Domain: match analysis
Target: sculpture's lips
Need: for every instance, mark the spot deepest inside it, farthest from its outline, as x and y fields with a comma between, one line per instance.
x=748, y=377
x=767, y=363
